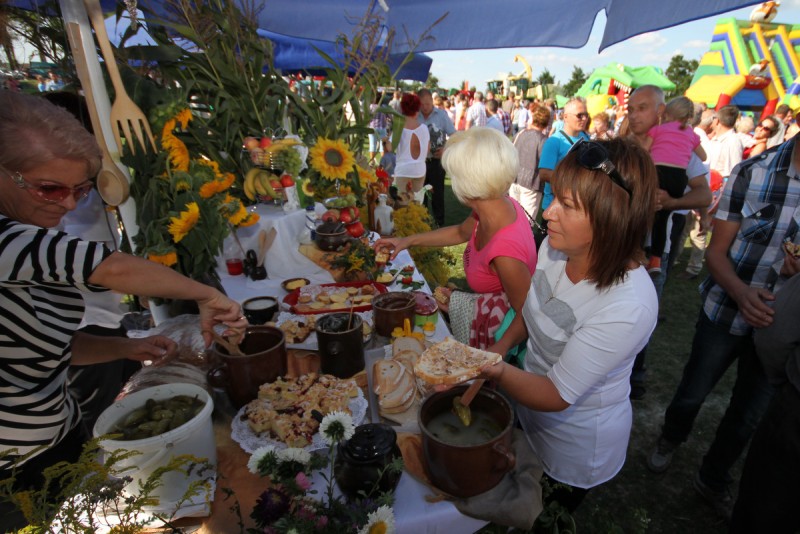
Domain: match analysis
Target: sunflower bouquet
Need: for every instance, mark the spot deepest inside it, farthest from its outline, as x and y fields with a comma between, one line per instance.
x=290, y=503
x=184, y=206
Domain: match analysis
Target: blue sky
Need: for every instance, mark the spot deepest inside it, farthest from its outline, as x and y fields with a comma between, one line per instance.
x=655, y=48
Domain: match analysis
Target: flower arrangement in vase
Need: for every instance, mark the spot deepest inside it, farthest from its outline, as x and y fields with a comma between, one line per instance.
x=184, y=206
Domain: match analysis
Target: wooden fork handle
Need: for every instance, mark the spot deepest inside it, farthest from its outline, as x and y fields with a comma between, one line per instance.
x=471, y=391
x=95, y=13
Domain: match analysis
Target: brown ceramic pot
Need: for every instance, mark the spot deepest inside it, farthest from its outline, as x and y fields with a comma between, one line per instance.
x=465, y=471
x=391, y=309
x=264, y=361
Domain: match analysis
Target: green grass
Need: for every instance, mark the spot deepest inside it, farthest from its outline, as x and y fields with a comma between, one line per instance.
x=637, y=500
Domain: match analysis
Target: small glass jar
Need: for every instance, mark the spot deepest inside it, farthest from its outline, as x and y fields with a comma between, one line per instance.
x=361, y=462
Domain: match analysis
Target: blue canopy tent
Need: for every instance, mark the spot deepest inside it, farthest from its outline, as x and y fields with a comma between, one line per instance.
x=466, y=24
x=295, y=55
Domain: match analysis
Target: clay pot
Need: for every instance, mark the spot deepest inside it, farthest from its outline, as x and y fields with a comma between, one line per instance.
x=260, y=310
x=362, y=460
x=341, y=344
x=264, y=361
x=465, y=471
x=331, y=241
x=391, y=310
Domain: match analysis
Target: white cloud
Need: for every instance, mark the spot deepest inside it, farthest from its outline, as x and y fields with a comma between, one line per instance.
x=650, y=39
x=698, y=43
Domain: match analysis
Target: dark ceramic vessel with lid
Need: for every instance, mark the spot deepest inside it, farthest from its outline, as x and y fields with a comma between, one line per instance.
x=361, y=462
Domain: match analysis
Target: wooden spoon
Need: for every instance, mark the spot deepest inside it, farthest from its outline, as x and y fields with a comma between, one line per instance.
x=232, y=348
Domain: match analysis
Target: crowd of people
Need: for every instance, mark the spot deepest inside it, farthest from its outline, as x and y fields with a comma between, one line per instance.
x=618, y=194
x=575, y=223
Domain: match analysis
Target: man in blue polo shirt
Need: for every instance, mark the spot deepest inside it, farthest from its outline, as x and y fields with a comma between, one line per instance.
x=440, y=126
x=558, y=144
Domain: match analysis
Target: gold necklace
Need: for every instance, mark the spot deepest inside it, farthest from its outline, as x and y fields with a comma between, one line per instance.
x=555, y=287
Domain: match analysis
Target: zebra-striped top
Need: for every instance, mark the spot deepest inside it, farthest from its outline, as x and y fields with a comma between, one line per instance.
x=42, y=275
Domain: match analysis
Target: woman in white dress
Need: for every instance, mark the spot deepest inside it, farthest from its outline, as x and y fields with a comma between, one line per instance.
x=409, y=170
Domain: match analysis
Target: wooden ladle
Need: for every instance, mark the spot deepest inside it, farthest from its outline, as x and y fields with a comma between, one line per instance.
x=232, y=348
x=461, y=404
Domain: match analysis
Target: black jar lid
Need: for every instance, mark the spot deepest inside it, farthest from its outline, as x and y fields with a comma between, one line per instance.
x=370, y=441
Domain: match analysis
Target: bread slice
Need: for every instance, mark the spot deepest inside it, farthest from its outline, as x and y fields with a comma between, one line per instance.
x=451, y=362
x=386, y=375
x=408, y=358
x=407, y=343
x=403, y=395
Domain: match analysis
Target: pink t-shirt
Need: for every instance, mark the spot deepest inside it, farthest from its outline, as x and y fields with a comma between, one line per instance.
x=671, y=145
x=514, y=241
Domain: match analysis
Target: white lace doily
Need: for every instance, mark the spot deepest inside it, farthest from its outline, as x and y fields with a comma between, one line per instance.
x=250, y=441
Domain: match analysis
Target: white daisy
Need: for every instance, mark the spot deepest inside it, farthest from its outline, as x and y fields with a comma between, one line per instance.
x=381, y=521
x=257, y=456
x=293, y=454
x=336, y=427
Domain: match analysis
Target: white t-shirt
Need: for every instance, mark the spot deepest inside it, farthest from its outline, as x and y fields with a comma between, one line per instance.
x=585, y=341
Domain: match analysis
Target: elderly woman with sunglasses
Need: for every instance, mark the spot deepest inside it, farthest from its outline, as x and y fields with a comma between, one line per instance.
x=591, y=307
x=47, y=161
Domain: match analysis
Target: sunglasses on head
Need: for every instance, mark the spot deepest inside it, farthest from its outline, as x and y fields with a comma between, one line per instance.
x=762, y=125
x=594, y=156
x=51, y=192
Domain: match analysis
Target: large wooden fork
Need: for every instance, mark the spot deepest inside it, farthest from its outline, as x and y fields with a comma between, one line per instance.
x=125, y=114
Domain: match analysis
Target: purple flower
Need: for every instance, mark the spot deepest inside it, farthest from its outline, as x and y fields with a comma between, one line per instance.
x=270, y=506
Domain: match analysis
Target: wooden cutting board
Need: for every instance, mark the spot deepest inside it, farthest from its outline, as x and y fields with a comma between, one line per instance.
x=323, y=259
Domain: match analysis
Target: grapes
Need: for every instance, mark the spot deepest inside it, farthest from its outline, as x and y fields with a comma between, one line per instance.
x=289, y=161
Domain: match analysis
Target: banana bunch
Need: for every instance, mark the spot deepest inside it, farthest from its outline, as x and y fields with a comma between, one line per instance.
x=257, y=182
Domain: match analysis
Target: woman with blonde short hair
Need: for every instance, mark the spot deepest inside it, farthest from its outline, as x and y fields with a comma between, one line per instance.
x=500, y=255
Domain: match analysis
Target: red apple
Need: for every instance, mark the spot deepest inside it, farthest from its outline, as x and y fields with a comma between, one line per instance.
x=265, y=142
x=346, y=216
x=287, y=180
x=356, y=229
x=250, y=143
x=275, y=184
x=331, y=216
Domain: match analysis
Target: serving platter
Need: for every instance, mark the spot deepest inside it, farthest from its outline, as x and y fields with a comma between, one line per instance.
x=251, y=441
x=315, y=305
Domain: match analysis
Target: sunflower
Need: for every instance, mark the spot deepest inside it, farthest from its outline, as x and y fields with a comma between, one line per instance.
x=239, y=215
x=209, y=189
x=366, y=176
x=381, y=521
x=169, y=259
x=184, y=222
x=250, y=220
x=332, y=159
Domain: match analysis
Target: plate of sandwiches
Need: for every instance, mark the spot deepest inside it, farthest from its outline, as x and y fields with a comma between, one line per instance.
x=282, y=415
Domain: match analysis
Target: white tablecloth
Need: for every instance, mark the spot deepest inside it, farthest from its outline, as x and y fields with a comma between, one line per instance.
x=413, y=514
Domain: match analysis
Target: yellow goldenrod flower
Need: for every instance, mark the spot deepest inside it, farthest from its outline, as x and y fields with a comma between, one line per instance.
x=184, y=222
x=332, y=159
x=169, y=259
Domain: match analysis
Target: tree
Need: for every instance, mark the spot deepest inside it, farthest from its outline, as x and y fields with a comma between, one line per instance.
x=680, y=72
x=574, y=83
x=433, y=81
x=546, y=78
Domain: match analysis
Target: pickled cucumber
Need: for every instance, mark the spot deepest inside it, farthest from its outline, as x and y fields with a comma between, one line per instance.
x=157, y=417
